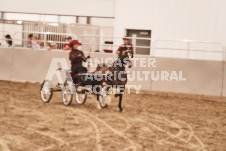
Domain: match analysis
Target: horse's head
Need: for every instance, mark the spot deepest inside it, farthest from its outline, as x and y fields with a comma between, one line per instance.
x=125, y=57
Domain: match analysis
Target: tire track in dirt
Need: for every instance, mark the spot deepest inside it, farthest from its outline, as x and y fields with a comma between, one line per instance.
x=46, y=148
x=172, y=124
x=201, y=146
x=191, y=134
x=113, y=130
x=106, y=125
x=124, y=120
x=98, y=138
x=50, y=135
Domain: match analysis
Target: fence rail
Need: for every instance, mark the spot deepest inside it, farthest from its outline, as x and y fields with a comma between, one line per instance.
x=155, y=45
x=188, y=49
x=114, y=47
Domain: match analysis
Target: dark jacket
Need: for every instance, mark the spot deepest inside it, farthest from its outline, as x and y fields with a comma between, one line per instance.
x=75, y=59
x=124, y=47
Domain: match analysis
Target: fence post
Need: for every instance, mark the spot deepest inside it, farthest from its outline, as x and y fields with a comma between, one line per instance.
x=223, y=62
x=134, y=41
x=188, y=50
x=44, y=40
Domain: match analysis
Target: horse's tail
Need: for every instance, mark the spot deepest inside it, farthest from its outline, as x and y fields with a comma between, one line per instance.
x=101, y=65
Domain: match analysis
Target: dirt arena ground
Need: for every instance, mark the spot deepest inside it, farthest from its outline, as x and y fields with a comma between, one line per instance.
x=152, y=121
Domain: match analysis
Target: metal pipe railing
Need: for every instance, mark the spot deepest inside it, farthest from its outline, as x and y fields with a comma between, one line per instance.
x=138, y=38
x=152, y=49
x=182, y=49
x=45, y=36
x=189, y=42
x=114, y=46
x=48, y=33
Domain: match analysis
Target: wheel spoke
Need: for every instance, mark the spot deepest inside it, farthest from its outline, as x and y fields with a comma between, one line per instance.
x=66, y=95
x=46, y=91
x=80, y=96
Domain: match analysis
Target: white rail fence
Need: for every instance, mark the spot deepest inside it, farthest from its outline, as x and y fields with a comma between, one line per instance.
x=189, y=49
x=90, y=40
x=56, y=37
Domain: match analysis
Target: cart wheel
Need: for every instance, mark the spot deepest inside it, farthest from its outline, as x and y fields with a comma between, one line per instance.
x=104, y=99
x=80, y=95
x=46, y=91
x=66, y=95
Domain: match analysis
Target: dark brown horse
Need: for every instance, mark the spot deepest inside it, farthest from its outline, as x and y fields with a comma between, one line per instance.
x=117, y=76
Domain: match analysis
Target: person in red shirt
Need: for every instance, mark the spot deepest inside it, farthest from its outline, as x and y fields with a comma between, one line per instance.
x=66, y=45
x=126, y=46
x=77, y=57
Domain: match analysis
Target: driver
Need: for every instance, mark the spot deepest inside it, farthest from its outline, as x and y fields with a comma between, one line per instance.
x=77, y=57
x=125, y=47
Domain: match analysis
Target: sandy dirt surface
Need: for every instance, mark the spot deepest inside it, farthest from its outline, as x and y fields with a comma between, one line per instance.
x=151, y=121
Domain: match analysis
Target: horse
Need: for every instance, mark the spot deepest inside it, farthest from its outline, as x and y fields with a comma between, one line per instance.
x=118, y=76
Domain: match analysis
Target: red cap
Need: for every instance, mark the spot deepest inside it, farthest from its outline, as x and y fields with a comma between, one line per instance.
x=74, y=42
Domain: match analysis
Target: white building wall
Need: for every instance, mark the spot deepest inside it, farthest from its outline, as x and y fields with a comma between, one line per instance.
x=202, y=20
x=70, y=7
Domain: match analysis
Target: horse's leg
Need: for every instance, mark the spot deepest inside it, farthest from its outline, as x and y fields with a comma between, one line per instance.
x=107, y=89
x=98, y=97
x=117, y=93
x=120, y=100
x=108, y=94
